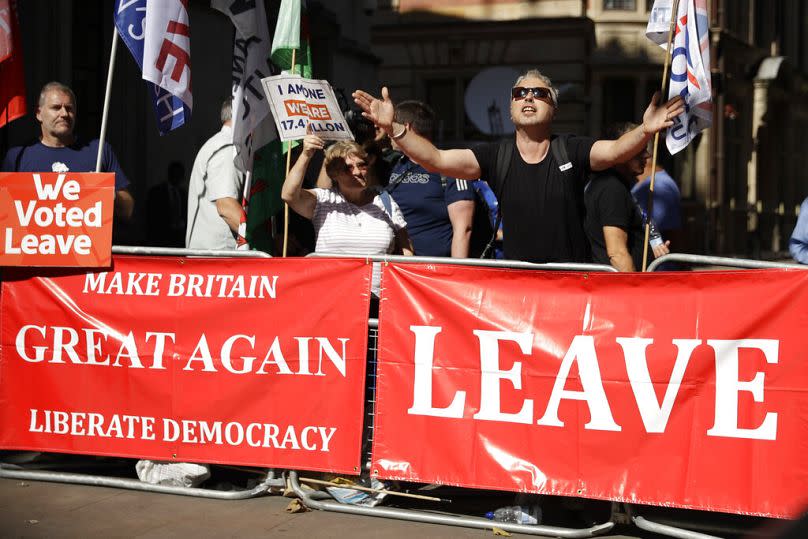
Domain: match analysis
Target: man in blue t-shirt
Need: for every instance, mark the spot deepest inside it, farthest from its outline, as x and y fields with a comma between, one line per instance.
x=58, y=150
x=438, y=210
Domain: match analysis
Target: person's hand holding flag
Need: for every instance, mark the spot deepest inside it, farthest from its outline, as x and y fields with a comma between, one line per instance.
x=658, y=117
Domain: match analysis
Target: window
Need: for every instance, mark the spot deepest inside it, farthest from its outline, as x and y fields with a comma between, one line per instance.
x=628, y=5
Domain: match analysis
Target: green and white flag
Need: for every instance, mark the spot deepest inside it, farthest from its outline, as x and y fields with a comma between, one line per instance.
x=292, y=39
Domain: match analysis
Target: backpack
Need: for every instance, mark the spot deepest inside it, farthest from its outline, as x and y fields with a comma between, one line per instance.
x=558, y=146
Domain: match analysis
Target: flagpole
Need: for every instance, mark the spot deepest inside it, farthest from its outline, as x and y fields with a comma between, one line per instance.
x=662, y=98
x=103, y=135
x=288, y=166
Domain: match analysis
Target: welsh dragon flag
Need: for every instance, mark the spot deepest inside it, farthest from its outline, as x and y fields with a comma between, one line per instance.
x=260, y=153
x=291, y=33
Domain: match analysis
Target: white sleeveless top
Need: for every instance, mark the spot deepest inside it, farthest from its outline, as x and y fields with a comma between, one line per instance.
x=343, y=227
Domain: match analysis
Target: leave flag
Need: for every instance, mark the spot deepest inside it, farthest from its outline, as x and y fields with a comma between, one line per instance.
x=12, y=77
x=157, y=33
x=690, y=66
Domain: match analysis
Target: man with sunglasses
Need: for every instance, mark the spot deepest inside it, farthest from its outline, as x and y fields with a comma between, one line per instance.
x=541, y=199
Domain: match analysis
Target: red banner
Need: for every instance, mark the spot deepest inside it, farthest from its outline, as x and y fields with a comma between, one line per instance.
x=239, y=361
x=56, y=219
x=687, y=390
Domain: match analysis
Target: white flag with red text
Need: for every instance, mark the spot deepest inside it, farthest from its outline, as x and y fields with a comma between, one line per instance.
x=250, y=64
x=167, y=48
x=690, y=66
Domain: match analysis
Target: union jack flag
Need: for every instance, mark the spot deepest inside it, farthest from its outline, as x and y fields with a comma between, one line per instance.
x=690, y=66
x=157, y=34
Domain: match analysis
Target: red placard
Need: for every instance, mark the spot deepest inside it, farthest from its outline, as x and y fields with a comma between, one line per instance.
x=241, y=361
x=687, y=390
x=56, y=219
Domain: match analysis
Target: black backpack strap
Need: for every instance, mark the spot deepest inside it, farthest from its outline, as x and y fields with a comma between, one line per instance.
x=504, y=156
x=559, y=148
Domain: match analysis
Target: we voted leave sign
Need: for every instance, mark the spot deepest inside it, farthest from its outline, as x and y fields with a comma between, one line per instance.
x=56, y=219
x=299, y=104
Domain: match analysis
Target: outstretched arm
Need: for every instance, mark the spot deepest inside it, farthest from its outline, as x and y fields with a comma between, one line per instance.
x=607, y=153
x=301, y=200
x=456, y=163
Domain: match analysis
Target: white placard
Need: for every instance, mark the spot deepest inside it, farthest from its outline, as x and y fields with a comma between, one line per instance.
x=297, y=102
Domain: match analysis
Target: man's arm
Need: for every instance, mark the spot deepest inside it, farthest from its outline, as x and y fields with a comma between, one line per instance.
x=9, y=160
x=607, y=153
x=616, y=240
x=230, y=210
x=403, y=242
x=124, y=204
x=461, y=214
x=455, y=163
x=798, y=243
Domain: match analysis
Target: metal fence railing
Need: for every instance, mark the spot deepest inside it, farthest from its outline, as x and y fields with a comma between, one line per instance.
x=314, y=499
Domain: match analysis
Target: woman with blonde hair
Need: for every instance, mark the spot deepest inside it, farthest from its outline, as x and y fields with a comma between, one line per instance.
x=351, y=217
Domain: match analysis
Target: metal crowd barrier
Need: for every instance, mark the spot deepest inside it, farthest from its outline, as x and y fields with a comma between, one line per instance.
x=478, y=262
x=621, y=512
x=12, y=471
x=174, y=251
x=702, y=260
x=674, y=529
x=311, y=498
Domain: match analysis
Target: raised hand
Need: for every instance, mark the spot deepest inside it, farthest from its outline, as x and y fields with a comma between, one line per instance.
x=657, y=118
x=379, y=111
x=312, y=143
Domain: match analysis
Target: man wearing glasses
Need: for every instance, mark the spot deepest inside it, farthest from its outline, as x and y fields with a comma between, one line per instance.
x=541, y=199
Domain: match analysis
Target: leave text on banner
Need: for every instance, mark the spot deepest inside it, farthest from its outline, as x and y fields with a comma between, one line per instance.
x=574, y=384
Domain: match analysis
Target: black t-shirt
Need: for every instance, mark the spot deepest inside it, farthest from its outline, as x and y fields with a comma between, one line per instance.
x=542, y=207
x=609, y=203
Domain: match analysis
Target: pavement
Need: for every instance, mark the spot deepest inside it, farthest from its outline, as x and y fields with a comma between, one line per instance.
x=33, y=509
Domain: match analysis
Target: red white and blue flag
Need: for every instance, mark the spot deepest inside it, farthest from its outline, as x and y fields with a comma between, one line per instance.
x=157, y=34
x=12, y=77
x=690, y=66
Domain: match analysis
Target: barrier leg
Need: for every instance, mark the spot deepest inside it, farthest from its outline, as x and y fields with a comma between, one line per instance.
x=14, y=472
x=670, y=531
x=437, y=518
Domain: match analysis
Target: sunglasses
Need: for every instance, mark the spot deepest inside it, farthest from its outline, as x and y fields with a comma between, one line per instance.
x=520, y=92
